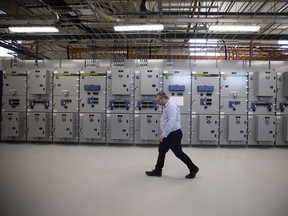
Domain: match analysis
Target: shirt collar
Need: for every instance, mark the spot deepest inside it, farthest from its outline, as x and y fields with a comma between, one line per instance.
x=168, y=102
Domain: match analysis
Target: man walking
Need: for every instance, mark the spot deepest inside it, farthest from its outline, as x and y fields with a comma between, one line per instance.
x=170, y=137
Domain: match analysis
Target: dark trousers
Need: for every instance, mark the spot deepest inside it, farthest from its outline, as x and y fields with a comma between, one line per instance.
x=173, y=142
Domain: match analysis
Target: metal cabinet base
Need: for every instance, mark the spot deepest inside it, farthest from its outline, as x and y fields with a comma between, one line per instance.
x=233, y=130
x=92, y=127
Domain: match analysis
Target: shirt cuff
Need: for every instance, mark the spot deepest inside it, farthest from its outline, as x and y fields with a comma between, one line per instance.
x=164, y=134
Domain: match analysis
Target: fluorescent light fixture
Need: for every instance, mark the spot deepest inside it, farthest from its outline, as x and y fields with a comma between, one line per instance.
x=5, y=52
x=195, y=49
x=33, y=29
x=234, y=28
x=2, y=12
x=201, y=42
x=197, y=41
x=283, y=43
x=156, y=27
x=204, y=54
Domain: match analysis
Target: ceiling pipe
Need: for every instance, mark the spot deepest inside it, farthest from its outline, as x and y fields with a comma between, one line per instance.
x=143, y=6
x=160, y=8
x=50, y=9
x=164, y=56
x=23, y=21
x=192, y=14
x=179, y=48
x=135, y=43
x=225, y=48
x=143, y=36
x=173, y=20
x=186, y=13
x=36, y=54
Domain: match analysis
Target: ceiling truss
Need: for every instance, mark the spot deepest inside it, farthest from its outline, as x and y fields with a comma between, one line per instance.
x=86, y=29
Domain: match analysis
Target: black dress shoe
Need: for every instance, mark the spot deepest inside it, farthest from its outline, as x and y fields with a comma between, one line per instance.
x=192, y=174
x=153, y=173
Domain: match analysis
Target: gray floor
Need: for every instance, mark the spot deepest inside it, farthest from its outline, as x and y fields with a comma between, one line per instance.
x=57, y=180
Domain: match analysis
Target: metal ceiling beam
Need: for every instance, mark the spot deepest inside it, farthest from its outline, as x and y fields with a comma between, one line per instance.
x=26, y=22
x=160, y=35
x=187, y=7
x=175, y=20
x=171, y=20
x=135, y=43
x=210, y=13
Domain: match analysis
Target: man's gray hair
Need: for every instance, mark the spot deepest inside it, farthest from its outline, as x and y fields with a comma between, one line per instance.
x=162, y=95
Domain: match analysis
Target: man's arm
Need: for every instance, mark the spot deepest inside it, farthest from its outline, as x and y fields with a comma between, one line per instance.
x=170, y=121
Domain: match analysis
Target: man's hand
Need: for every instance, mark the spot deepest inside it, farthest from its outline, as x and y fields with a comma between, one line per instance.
x=161, y=138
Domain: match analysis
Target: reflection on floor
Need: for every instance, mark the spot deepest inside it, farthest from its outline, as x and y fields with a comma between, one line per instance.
x=57, y=180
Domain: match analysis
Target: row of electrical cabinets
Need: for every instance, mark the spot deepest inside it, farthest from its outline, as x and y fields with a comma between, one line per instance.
x=144, y=128
x=96, y=104
x=127, y=90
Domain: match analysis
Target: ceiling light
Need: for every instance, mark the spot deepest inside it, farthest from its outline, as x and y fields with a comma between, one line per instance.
x=156, y=27
x=197, y=41
x=5, y=52
x=203, y=42
x=234, y=28
x=195, y=49
x=283, y=43
x=2, y=12
x=204, y=54
x=33, y=29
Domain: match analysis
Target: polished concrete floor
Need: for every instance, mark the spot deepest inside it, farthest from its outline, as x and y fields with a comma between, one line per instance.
x=58, y=180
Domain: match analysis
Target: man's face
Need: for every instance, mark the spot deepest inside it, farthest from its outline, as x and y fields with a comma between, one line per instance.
x=160, y=100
